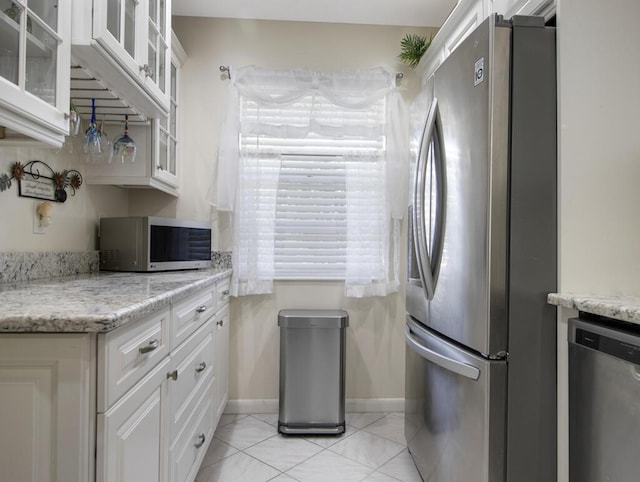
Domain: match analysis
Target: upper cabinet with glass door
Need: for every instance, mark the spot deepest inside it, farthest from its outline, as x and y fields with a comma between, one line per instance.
x=126, y=45
x=166, y=128
x=34, y=68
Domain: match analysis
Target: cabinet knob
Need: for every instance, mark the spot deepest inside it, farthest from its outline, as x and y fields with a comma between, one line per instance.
x=220, y=323
x=152, y=345
x=225, y=293
x=201, y=309
x=201, y=439
x=200, y=368
x=173, y=375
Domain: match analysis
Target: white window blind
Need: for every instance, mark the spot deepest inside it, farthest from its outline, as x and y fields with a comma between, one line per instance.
x=330, y=188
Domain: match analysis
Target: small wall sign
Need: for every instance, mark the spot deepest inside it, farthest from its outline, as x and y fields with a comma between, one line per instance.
x=40, y=188
x=32, y=183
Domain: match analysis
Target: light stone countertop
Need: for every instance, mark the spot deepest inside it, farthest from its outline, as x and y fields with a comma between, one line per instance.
x=96, y=302
x=625, y=308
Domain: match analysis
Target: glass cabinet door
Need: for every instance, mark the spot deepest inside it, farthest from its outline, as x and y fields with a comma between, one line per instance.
x=135, y=34
x=121, y=23
x=32, y=65
x=167, y=135
x=155, y=69
x=11, y=18
x=117, y=26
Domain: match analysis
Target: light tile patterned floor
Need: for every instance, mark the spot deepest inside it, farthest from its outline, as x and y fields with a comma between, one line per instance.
x=247, y=448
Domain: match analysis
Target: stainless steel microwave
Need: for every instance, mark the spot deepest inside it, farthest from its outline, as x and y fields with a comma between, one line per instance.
x=153, y=244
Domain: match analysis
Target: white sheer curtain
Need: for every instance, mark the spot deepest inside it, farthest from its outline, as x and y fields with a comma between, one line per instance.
x=298, y=104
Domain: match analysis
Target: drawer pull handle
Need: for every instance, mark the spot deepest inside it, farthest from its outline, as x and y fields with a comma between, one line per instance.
x=225, y=293
x=153, y=344
x=201, y=309
x=201, y=367
x=220, y=323
x=173, y=375
x=201, y=439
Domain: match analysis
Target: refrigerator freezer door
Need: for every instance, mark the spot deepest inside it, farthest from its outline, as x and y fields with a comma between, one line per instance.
x=454, y=410
x=472, y=88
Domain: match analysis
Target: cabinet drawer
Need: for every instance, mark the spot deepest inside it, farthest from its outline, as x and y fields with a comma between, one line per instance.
x=190, y=313
x=131, y=435
x=192, y=367
x=127, y=354
x=188, y=450
x=222, y=291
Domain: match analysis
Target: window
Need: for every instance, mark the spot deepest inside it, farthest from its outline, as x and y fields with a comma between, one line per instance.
x=311, y=216
x=311, y=191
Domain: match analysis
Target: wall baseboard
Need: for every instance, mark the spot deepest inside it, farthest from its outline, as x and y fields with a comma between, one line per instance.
x=352, y=405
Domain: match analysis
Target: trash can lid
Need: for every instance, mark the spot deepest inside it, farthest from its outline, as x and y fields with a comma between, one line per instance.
x=313, y=318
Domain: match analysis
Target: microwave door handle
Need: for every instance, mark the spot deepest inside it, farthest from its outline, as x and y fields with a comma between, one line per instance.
x=419, y=227
x=455, y=366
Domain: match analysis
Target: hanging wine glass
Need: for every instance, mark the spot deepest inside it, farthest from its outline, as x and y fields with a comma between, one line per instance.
x=91, y=145
x=74, y=120
x=107, y=146
x=124, y=148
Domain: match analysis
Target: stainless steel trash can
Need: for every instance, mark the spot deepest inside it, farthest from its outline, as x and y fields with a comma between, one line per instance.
x=312, y=359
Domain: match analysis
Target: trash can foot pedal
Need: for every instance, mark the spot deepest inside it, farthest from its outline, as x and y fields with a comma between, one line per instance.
x=307, y=429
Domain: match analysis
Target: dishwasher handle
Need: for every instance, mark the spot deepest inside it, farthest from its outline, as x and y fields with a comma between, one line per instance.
x=455, y=366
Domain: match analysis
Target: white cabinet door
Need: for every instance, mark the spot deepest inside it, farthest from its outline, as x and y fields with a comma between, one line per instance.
x=34, y=68
x=166, y=130
x=222, y=361
x=188, y=450
x=155, y=69
x=192, y=367
x=45, y=407
x=119, y=26
x=132, y=435
x=136, y=34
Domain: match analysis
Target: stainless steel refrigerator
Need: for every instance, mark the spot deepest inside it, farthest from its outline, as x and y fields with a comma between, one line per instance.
x=481, y=340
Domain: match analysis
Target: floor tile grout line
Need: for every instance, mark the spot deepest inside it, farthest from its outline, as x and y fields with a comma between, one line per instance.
x=377, y=467
x=353, y=430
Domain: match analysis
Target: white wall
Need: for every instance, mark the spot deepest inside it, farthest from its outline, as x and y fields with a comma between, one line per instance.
x=599, y=168
x=74, y=223
x=375, y=343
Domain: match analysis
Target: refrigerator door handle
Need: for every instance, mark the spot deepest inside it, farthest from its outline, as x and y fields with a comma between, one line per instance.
x=419, y=228
x=455, y=366
x=429, y=263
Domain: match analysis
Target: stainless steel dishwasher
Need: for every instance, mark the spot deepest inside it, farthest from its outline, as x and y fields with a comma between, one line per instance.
x=604, y=401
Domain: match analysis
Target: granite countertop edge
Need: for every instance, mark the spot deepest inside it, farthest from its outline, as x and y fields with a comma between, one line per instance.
x=624, y=308
x=22, y=314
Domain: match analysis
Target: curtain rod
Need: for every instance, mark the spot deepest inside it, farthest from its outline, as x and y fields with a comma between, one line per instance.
x=225, y=68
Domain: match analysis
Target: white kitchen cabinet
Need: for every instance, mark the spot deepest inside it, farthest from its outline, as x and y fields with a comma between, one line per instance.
x=509, y=8
x=192, y=367
x=465, y=17
x=34, y=69
x=126, y=45
x=127, y=354
x=138, y=403
x=166, y=129
x=190, y=447
x=222, y=361
x=45, y=401
x=157, y=164
x=132, y=435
